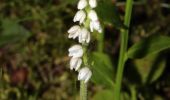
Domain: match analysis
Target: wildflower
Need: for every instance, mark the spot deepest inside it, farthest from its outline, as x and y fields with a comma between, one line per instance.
x=74, y=31
x=93, y=15
x=84, y=36
x=80, y=16
x=95, y=25
x=82, y=4
x=75, y=63
x=84, y=74
x=76, y=51
x=92, y=3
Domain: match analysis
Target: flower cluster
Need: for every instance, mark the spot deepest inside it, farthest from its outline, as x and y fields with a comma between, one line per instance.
x=88, y=22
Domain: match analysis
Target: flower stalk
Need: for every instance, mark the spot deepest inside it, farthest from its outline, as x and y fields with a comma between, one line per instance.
x=123, y=50
x=88, y=22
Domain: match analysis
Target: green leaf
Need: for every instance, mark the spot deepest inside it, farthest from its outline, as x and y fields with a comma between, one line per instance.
x=148, y=46
x=150, y=68
x=103, y=72
x=12, y=32
x=103, y=95
x=108, y=94
x=108, y=13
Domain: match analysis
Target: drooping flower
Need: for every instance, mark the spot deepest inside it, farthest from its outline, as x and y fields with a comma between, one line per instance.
x=95, y=25
x=82, y=4
x=84, y=74
x=92, y=15
x=80, y=16
x=75, y=63
x=92, y=3
x=84, y=36
x=74, y=31
x=76, y=51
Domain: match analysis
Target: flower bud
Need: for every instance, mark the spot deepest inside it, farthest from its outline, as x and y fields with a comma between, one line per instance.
x=75, y=63
x=76, y=51
x=84, y=36
x=74, y=31
x=80, y=16
x=84, y=74
x=82, y=4
x=93, y=15
x=92, y=3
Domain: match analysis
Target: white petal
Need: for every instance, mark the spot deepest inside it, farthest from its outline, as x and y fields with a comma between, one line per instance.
x=92, y=3
x=93, y=15
x=91, y=26
x=76, y=51
x=75, y=63
x=82, y=4
x=88, y=76
x=73, y=29
x=88, y=38
x=84, y=36
x=84, y=74
x=83, y=18
x=95, y=25
x=79, y=62
x=80, y=16
x=75, y=47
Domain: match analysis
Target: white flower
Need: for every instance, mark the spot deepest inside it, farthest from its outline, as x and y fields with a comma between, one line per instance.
x=80, y=16
x=95, y=25
x=84, y=36
x=93, y=15
x=75, y=63
x=92, y=3
x=82, y=4
x=76, y=51
x=84, y=74
x=74, y=31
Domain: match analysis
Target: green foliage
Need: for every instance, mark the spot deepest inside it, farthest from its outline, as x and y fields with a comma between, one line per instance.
x=108, y=13
x=102, y=68
x=12, y=32
x=150, y=68
x=103, y=95
x=148, y=46
x=107, y=94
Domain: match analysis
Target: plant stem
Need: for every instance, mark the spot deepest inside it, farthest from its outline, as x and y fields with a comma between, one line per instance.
x=133, y=92
x=83, y=91
x=83, y=86
x=123, y=49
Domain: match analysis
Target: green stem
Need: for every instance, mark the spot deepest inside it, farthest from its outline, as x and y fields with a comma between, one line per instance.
x=83, y=91
x=123, y=49
x=83, y=86
x=133, y=93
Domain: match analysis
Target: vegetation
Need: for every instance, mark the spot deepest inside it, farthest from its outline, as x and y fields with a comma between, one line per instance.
x=34, y=62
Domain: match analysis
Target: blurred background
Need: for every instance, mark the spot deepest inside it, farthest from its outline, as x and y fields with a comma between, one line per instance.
x=34, y=46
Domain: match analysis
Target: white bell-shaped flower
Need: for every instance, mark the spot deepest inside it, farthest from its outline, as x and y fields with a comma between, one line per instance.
x=75, y=63
x=74, y=31
x=84, y=74
x=82, y=4
x=80, y=16
x=92, y=3
x=84, y=36
x=93, y=15
x=76, y=51
x=95, y=25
